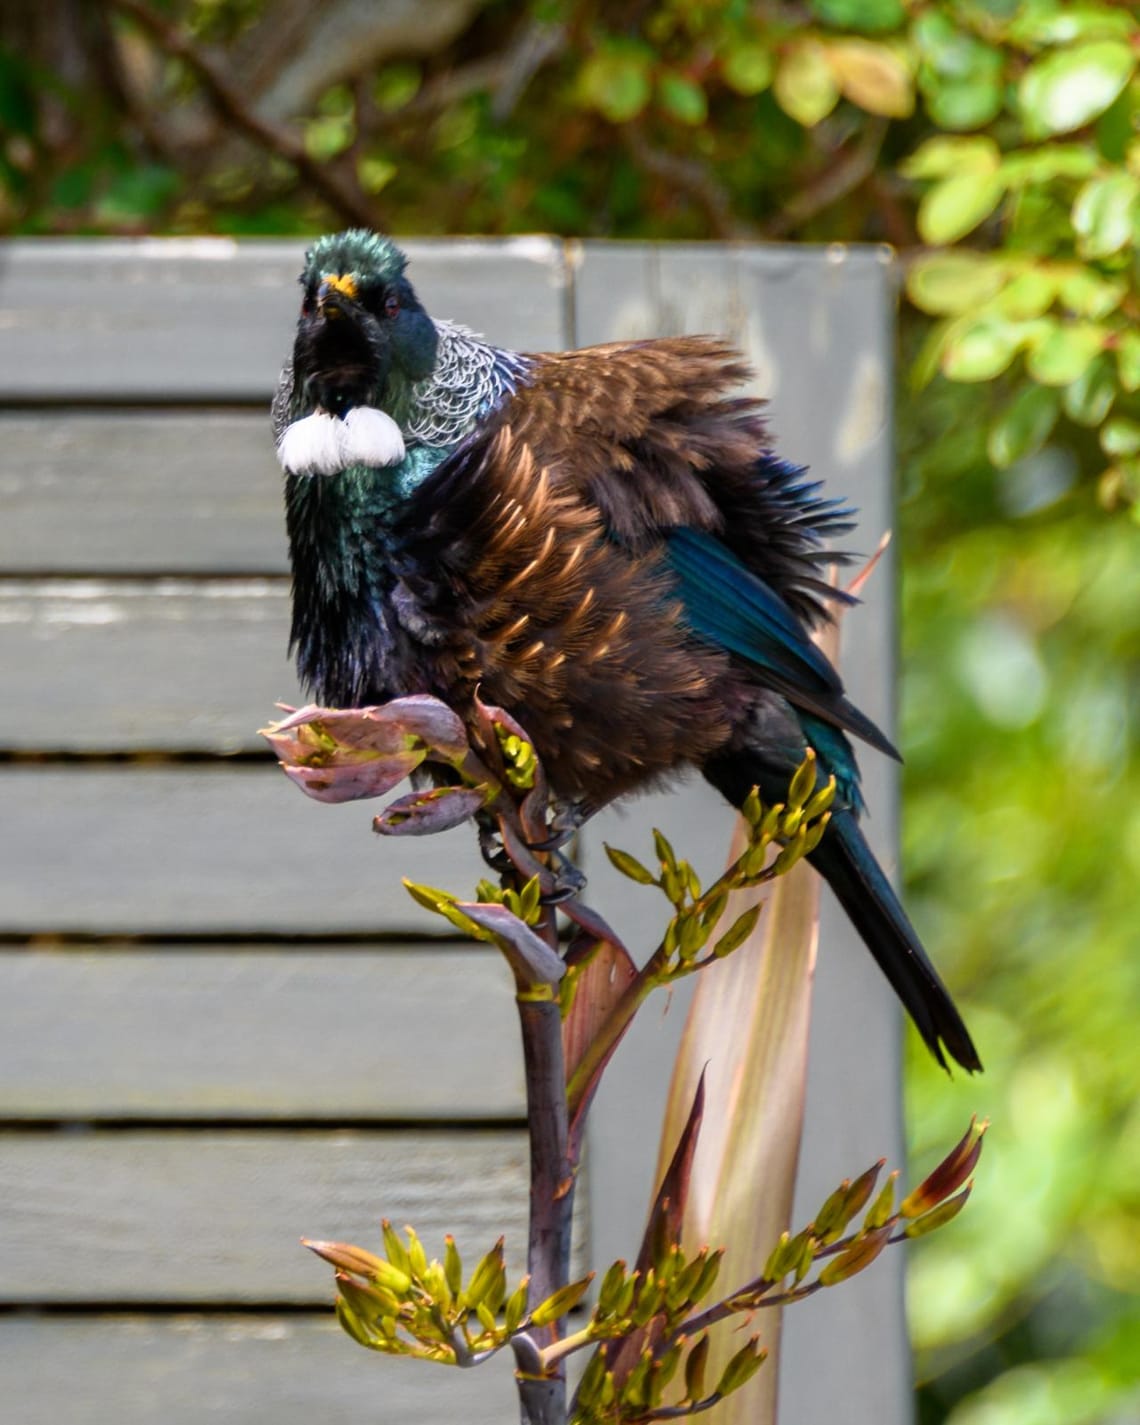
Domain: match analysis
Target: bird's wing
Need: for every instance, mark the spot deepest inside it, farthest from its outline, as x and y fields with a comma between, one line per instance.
x=651, y=436
x=656, y=435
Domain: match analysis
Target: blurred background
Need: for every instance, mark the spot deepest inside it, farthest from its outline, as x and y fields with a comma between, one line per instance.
x=996, y=147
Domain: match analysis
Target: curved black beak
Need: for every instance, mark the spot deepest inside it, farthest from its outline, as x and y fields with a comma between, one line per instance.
x=332, y=301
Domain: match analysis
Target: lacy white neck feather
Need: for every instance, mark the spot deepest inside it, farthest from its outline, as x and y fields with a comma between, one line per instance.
x=470, y=379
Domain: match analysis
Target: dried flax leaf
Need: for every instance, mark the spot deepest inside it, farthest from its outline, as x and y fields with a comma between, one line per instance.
x=758, y=1004
x=747, y=1031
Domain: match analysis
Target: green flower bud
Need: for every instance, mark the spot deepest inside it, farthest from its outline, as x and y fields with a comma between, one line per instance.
x=629, y=866
x=397, y=1253
x=940, y=1215
x=741, y=928
x=742, y=1367
x=564, y=1300
x=610, y=1291
x=803, y=782
x=515, y=1308
x=859, y=1255
x=883, y=1208
x=696, y=1363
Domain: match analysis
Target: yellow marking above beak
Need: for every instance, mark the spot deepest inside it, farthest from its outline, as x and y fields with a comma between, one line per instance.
x=346, y=285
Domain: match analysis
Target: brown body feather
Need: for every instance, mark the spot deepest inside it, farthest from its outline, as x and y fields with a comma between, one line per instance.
x=536, y=555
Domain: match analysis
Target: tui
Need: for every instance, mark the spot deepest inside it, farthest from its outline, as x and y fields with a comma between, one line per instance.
x=599, y=541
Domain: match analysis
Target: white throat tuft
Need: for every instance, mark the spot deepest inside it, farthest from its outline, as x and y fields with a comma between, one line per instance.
x=322, y=444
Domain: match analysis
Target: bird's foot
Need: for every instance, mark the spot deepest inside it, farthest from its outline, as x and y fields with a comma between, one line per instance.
x=568, y=881
x=562, y=880
x=566, y=822
x=493, y=852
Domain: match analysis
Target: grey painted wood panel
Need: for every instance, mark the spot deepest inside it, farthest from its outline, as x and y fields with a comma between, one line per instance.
x=815, y=325
x=140, y=491
x=263, y=1034
x=164, y=665
x=208, y=319
x=207, y=850
x=121, y=1217
x=229, y=1370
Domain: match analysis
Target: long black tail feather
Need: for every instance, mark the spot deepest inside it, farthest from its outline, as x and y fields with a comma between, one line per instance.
x=848, y=865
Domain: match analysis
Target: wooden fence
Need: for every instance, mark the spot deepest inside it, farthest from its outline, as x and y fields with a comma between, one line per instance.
x=215, y=999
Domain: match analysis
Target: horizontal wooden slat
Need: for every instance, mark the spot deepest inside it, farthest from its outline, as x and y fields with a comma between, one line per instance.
x=229, y=1370
x=207, y=319
x=214, y=1217
x=165, y=665
x=207, y=849
x=133, y=490
x=208, y=1033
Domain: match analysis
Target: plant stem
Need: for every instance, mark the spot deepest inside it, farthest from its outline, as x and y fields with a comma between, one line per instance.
x=577, y=1341
x=609, y=1035
x=542, y=1401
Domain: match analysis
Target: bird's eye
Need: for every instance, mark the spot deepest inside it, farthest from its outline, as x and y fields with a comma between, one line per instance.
x=391, y=305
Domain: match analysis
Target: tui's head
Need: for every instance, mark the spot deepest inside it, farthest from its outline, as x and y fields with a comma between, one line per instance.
x=362, y=339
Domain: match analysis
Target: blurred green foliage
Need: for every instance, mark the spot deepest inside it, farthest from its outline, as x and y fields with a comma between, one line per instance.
x=997, y=145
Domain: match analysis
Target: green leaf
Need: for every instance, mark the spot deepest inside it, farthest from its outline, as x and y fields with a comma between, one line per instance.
x=395, y=86
x=956, y=206
x=1068, y=88
x=928, y=360
x=1087, y=293
x=981, y=350
x=1089, y=398
x=805, y=87
x=1059, y=24
x=375, y=173
x=942, y=157
x=1023, y=427
x=866, y=15
x=1128, y=360
x=682, y=98
x=1063, y=350
x=1029, y=294
x=329, y=135
x=873, y=76
x=969, y=104
x=951, y=282
x=1120, y=437
x=1105, y=212
x=616, y=83
x=960, y=76
x=748, y=68
x=1049, y=161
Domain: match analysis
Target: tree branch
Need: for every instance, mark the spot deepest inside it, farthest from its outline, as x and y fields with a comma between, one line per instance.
x=694, y=179
x=854, y=166
x=342, y=195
